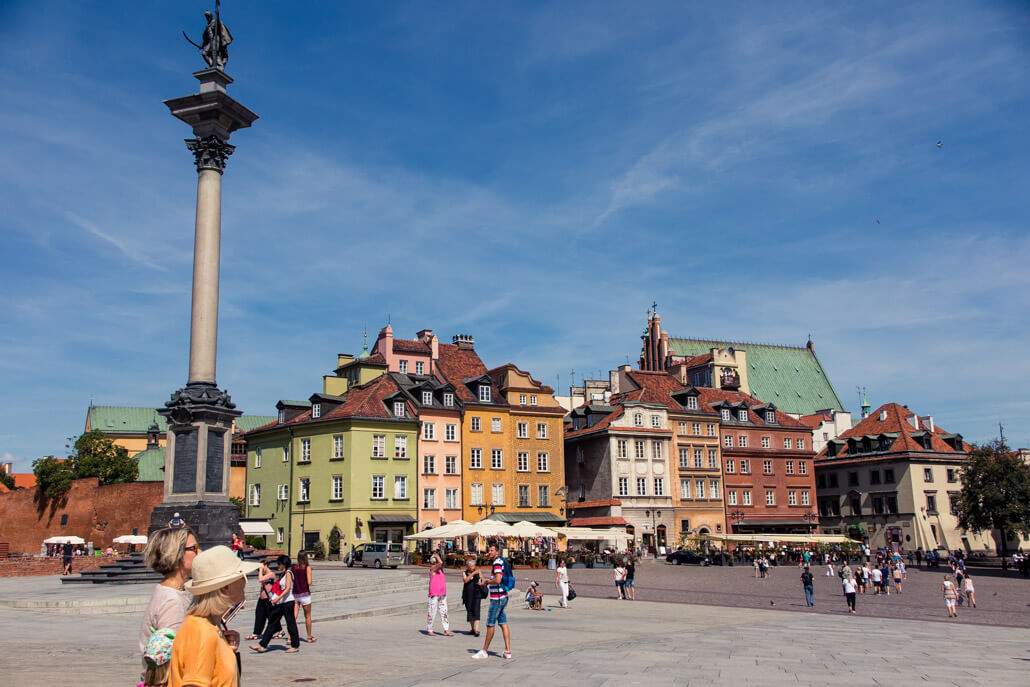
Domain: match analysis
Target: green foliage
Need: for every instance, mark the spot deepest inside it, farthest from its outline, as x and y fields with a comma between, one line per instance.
x=97, y=456
x=318, y=550
x=995, y=491
x=240, y=504
x=255, y=541
x=54, y=478
x=7, y=480
x=334, y=541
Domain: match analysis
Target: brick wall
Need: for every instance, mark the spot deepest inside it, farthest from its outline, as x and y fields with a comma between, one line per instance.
x=95, y=513
x=29, y=566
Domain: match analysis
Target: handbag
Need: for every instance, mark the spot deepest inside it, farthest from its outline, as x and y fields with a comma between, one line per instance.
x=572, y=593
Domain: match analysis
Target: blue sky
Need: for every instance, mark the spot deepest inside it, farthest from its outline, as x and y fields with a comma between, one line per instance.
x=534, y=174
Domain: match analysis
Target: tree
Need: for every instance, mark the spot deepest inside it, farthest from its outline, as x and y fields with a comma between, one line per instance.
x=53, y=477
x=240, y=504
x=995, y=492
x=97, y=456
x=7, y=480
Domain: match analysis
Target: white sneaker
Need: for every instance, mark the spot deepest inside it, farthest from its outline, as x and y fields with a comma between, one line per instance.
x=506, y=654
x=480, y=654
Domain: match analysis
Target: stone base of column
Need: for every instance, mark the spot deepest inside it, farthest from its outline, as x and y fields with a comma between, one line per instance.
x=212, y=523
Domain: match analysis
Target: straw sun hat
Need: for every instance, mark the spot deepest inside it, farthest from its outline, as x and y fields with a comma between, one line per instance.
x=216, y=567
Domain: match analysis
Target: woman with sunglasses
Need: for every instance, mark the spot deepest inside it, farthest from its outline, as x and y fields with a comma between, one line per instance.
x=169, y=552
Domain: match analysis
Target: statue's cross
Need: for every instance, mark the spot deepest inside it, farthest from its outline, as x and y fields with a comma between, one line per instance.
x=654, y=307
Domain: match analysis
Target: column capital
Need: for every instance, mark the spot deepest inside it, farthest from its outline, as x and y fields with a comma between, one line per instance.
x=210, y=152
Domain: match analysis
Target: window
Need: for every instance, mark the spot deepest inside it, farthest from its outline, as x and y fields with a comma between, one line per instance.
x=833, y=480
x=337, y=446
x=745, y=497
x=684, y=488
x=451, y=499
x=448, y=399
x=952, y=475
x=543, y=496
x=475, y=458
x=429, y=431
x=403, y=366
x=543, y=463
x=931, y=503
x=711, y=430
x=927, y=474
x=476, y=494
x=874, y=477
x=804, y=498
x=888, y=475
x=656, y=421
x=532, y=400
x=745, y=467
x=742, y=415
x=282, y=416
x=691, y=402
x=450, y=465
x=427, y=398
x=641, y=486
x=429, y=498
x=522, y=399
x=305, y=450
x=398, y=408
x=787, y=443
x=279, y=535
x=696, y=428
x=698, y=462
x=802, y=467
x=450, y=432
x=641, y=451
x=286, y=453
x=730, y=466
x=541, y=430
x=727, y=441
x=742, y=441
x=659, y=486
x=484, y=393
x=681, y=428
x=856, y=505
x=400, y=487
x=792, y=498
x=255, y=494
x=283, y=493
x=523, y=495
x=316, y=411
x=766, y=467
x=624, y=486
x=305, y=490
x=428, y=465
x=621, y=448
x=790, y=467
x=713, y=459
x=495, y=425
x=726, y=415
x=684, y=458
x=579, y=455
x=801, y=443
x=699, y=489
x=770, y=416
x=713, y=489
x=656, y=449
x=638, y=420
x=522, y=430
x=420, y=367
x=400, y=446
x=765, y=442
x=337, y=488
x=731, y=497
x=497, y=494
x=892, y=504
x=878, y=505
x=523, y=461
x=475, y=424
x=770, y=498
x=257, y=457
x=497, y=459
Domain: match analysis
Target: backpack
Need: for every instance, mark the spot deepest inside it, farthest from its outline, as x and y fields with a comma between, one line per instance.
x=507, y=577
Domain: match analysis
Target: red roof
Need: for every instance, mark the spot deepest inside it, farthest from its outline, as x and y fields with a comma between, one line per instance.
x=896, y=420
x=657, y=387
x=697, y=360
x=457, y=364
x=366, y=400
x=712, y=396
x=603, y=424
x=603, y=503
x=409, y=346
x=22, y=480
x=598, y=521
x=495, y=373
x=815, y=419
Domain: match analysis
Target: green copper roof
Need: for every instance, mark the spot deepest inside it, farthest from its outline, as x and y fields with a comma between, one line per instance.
x=245, y=423
x=151, y=465
x=789, y=377
x=124, y=419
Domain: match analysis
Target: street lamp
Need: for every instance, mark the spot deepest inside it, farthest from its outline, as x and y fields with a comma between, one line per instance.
x=810, y=518
x=738, y=515
x=654, y=528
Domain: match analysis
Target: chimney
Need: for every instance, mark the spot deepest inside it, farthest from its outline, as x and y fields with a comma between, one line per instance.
x=464, y=342
x=6, y=468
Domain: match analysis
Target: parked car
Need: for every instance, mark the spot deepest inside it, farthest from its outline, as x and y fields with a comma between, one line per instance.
x=376, y=554
x=684, y=557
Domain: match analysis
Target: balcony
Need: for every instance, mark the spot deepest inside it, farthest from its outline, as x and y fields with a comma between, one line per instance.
x=729, y=381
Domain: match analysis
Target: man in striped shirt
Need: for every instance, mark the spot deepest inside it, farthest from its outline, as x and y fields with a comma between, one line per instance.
x=498, y=604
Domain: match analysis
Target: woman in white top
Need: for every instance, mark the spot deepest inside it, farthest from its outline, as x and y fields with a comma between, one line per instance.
x=950, y=596
x=561, y=581
x=619, y=573
x=171, y=553
x=967, y=587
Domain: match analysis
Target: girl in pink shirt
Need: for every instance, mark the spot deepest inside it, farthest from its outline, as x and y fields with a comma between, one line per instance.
x=437, y=597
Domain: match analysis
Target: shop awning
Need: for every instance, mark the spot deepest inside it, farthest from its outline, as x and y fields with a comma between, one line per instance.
x=531, y=517
x=391, y=519
x=773, y=537
x=256, y=528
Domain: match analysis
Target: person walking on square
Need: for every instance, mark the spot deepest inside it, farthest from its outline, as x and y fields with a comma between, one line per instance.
x=950, y=596
x=282, y=609
x=897, y=578
x=561, y=581
x=498, y=604
x=437, y=597
x=807, y=581
x=619, y=575
x=263, y=610
x=631, y=581
x=472, y=594
x=850, y=593
x=302, y=591
x=967, y=586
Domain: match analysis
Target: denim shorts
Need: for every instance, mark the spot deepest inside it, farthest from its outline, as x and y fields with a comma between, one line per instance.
x=497, y=614
x=629, y=582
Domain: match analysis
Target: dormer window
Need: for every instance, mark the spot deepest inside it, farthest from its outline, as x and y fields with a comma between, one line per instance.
x=398, y=408
x=638, y=420
x=770, y=416
x=403, y=366
x=427, y=398
x=484, y=393
x=420, y=367
x=282, y=416
x=448, y=400
x=532, y=400
x=726, y=415
x=691, y=402
x=883, y=415
x=316, y=411
x=742, y=415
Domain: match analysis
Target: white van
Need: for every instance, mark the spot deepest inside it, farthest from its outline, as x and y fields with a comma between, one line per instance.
x=376, y=554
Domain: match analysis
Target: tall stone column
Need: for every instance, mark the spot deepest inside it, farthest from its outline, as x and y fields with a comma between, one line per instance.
x=200, y=415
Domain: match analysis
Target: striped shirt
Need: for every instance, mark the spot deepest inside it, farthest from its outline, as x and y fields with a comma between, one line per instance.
x=496, y=590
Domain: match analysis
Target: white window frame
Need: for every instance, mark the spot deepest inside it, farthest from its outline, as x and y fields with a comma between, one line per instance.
x=450, y=465
x=792, y=498
x=541, y=430
x=522, y=430
x=696, y=429
x=641, y=486
x=450, y=497
x=766, y=443
x=801, y=444
x=497, y=459
x=429, y=498
x=532, y=400
x=380, y=482
x=726, y=414
x=770, y=416
x=476, y=494
x=745, y=497
x=802, y=467
x=731, y=497
x=448, y=399
x=475, y=424
x=450, y=432
x=398, y=409
x=402, y=366
x=523, y=461
x=741, y=414
x=699, y=489
x=543, y=496
x=286, y=453
x=691, y=402
x=790, y=467
x=524, y=491
x=337, y=446
x=495, y=425
x=279, y=535
x=429, y=431
x=787, y=443
x=484, y=393
x=257, y=457
x=475, y=459
x=543, y=462
x=522, y=399
x=428, y=465
x=656, y=421
x=427, y=398
x=727, y=441
x=730, y=466
x=622, y=448
x=699, y=462
x=304, y=490
x=767, y=467
x=400, y=487
x=711, y=430
x=336, y=487
x=283, y=492
x=742, y=441
x=400, y=445
x=656, y=449
x=805, y=499
x=684, y=458
x=745, y=466
x=420, y=367
x=638, y=420
x=316, y=411
x=305, y=450
x=659, y=486
x=639, y=449
x=713, y=489
x=770, y=497
x=713, y=459
x=684, y=488
x=379, y=446
x=255, y=495
x=624, y=486
x=497, y=494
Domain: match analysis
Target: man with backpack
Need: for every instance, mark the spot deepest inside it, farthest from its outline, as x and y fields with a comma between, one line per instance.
x=500, y=582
